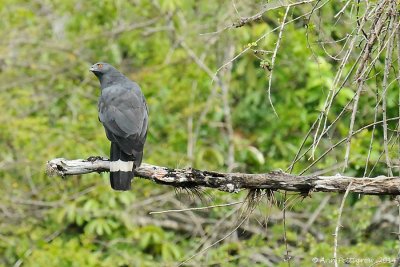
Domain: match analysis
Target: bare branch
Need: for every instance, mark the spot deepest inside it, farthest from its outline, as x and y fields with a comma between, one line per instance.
x=233, y=182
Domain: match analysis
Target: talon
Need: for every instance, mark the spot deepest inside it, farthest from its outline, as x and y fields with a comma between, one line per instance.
x=93, y=158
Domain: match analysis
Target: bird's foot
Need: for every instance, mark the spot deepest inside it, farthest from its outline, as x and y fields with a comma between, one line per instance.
x=94, y=158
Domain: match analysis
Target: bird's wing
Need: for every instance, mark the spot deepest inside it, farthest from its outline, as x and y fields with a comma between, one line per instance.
x=124, y=116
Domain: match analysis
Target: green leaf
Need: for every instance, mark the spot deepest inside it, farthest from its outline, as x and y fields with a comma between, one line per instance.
x=256, y=155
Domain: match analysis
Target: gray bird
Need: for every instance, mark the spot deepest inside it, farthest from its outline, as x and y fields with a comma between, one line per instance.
x=124, y=114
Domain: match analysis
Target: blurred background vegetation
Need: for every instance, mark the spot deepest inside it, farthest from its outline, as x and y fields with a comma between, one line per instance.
x=198, y=117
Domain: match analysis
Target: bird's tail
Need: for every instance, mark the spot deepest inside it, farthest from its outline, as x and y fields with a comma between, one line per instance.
x=121, y=168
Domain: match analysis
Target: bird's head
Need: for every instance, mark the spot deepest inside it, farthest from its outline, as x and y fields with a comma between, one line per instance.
x=101, y=68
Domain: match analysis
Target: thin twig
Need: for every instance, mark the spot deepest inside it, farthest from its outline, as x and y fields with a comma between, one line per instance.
x=199, y=208
x=287, y=257
x=388, y=63
x=375, y=32
x=342, y=141
x=265, y=35
x=278, y=42
x=336, y=235
x=215, y=243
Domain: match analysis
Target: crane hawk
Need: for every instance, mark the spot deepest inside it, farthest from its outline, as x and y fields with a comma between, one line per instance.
x=124, y=115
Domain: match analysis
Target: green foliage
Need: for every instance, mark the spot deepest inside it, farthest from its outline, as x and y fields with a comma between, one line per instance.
x=49, y=98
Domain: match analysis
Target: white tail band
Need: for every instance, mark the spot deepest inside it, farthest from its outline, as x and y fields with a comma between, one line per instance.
x=119, y=165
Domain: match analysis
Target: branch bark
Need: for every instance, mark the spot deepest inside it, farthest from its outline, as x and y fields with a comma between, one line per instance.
x=233, y=182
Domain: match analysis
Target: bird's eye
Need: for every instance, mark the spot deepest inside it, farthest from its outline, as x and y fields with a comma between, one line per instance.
x=100, y=66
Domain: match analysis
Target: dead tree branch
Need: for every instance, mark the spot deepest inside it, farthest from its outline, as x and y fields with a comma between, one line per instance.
x=233, y=182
